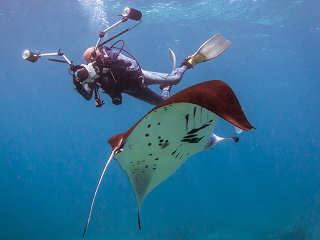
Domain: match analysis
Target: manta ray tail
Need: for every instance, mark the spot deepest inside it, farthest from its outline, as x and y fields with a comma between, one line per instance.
x=95, y=193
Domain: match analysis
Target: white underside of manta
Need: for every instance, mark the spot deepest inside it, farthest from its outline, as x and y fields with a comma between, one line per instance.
x=157, y=147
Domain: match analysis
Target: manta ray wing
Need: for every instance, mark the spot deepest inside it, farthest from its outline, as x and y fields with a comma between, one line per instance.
x=157, y=145
x=161, y=143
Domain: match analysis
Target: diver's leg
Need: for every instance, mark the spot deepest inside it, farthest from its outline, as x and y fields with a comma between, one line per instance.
x=147, y=95
x=164, y=79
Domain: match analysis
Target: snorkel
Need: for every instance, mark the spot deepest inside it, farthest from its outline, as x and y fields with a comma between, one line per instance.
x=128, y=13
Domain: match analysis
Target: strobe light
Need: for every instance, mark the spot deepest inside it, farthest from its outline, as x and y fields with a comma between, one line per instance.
x=30, y=56
x=132, y=13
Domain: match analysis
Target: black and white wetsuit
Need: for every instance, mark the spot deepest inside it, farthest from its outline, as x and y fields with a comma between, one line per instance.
x=119, y=74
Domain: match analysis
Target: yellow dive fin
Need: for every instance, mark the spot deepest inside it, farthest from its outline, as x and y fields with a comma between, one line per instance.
x=212, y=48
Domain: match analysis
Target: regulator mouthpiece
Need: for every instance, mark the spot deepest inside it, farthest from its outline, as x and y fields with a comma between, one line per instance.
x=30, y=56
x=132, y=13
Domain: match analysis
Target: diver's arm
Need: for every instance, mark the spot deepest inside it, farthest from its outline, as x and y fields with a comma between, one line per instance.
x=84, y=78
x=84, y=89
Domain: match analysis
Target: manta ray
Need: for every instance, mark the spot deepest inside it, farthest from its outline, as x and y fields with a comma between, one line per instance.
x=156, y=146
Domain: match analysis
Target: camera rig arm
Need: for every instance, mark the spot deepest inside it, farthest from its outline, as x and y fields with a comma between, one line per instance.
x=34, y=56
x=128, y=13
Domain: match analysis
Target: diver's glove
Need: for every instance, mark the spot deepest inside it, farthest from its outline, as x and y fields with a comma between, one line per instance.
x=88, y=73
x=116, y=100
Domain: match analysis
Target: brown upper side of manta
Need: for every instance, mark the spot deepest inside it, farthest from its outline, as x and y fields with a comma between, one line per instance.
x=214, y=95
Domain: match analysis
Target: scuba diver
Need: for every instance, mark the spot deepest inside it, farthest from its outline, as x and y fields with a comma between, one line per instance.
x=116, y=71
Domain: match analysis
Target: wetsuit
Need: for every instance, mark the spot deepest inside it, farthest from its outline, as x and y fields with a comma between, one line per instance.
x=116, y=73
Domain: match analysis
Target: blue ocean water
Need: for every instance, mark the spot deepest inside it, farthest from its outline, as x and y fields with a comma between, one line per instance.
x=54, y=143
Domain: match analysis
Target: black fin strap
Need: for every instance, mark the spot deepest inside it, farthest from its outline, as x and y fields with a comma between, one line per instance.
x=139, y=222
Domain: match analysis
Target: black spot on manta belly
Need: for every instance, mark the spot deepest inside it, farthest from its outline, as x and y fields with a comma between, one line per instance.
x=187, y=120
x=190, y=136
x=192, y=140
x=195, y=130
x=164, y=145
